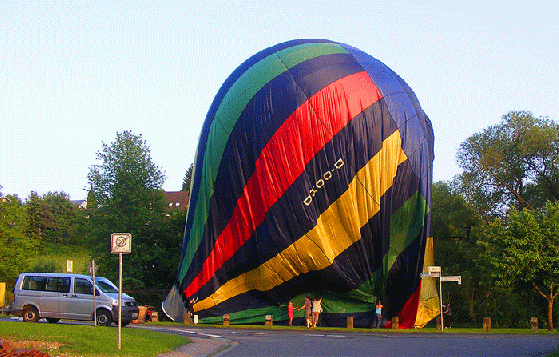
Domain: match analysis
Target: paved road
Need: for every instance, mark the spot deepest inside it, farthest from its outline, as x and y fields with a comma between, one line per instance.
x=320, y=343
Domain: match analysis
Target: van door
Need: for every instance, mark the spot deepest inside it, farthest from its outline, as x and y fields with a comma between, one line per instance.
x=55, y=297
x=82, y=300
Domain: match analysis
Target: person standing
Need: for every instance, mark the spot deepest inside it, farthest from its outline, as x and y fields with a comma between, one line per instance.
x=307, y=306
x=316, y=310
x=378, y=314
x=190, y=308
x=290, y=312
x=447, y=312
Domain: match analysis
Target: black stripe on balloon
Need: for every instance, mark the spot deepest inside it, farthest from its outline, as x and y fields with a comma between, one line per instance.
x=289, y=218
x=225, y=87
x=258, y=122
x=356, y=264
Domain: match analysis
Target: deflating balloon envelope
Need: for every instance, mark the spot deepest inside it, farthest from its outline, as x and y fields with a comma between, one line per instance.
x=312, y=177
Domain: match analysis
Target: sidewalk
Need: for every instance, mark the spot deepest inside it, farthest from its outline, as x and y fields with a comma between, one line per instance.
x=199, y=347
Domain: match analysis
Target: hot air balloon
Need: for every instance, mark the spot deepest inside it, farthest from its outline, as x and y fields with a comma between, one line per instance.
x=313, y=177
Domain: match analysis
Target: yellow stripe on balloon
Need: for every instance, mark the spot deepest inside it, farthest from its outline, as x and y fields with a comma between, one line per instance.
x=336, y=229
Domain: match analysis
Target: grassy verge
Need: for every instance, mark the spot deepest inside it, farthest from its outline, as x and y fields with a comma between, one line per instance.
x=57, y=255
x=302, y=328
x=93, y=341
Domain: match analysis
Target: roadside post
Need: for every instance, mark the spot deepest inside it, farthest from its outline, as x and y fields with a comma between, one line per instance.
x=2, y=294
x=434, y=271
x=121, y=243
x=92, y=269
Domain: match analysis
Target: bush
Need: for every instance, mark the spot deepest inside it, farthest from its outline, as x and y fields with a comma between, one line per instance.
x=44, y=267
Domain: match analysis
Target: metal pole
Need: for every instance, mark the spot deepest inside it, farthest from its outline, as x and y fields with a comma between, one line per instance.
x=94, y=290
x=441, y=292
x=119, y=295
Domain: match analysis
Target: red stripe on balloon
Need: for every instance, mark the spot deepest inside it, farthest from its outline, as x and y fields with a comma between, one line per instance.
x=283, y=159
x=408, y=314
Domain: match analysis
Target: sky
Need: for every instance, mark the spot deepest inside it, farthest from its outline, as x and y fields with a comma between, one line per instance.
x=74, y=74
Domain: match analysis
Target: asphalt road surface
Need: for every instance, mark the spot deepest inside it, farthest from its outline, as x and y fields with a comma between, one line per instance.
x=320, y=343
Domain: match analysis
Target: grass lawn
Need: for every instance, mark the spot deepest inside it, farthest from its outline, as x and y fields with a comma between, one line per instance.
x=92, y=341
x=302, y=328
x=57, y=255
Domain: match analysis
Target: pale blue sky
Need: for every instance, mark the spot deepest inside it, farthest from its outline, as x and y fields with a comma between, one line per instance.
x=73, y=74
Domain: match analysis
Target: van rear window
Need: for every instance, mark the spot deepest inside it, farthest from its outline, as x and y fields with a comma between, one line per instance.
x=58, y=284
x=43, y=283
x=34, y=283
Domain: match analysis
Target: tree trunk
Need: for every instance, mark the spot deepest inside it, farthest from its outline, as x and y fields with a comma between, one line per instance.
x=550, y=298
x=550, y=313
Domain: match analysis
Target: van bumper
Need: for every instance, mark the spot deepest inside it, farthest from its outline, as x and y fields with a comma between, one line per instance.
x=8, y=311
x=129, y=313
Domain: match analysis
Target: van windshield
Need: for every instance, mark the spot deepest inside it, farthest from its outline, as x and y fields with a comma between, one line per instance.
x=105, y=285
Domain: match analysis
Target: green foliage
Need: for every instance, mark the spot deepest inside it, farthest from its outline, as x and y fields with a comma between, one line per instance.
x=15, y=244
x=524, y=248
x=126, y=189
x=186, y=181
x=126, y=166
x=455, y=227
x=45, y=267
x=514, y=163
x=132, y=283
x=53, y=257
x=523, y=251
x=54, y=219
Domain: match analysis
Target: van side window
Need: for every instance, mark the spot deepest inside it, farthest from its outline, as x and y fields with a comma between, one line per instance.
x=34, y=283
x=58, y=284
x=82, y=286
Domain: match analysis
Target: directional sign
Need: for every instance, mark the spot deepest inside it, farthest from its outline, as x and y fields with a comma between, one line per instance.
x=458, y=278
x=434, y=269
x=430, y=275
x=92, y=267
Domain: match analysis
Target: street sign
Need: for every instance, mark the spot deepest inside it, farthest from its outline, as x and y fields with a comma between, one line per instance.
x=458, y=278
x=434, y=269
x=121, y=243
x=69, y=266
x=430, y=275
x=92, y=267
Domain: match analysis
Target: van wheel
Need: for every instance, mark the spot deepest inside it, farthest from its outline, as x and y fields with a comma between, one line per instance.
x=104, y=318
x=30, y=314
x=52, y=320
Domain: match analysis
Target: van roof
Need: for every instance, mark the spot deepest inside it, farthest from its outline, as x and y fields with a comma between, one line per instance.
x=60, y=275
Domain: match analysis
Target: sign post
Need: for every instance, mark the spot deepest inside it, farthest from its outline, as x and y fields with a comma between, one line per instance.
x=92, y=269
x=436, y=272
x=121, y=243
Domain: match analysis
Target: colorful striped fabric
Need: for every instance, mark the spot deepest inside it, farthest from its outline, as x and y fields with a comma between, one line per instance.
x=312, y=177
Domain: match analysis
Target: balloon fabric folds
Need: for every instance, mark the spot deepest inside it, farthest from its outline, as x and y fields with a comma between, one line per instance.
x=312, y=177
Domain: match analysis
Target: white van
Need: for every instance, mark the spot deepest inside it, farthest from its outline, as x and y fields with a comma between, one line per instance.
x=70, y=296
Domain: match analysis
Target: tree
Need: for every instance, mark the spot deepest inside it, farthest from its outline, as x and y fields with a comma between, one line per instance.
x=514, y=163
x=455, y=227
x=126, y=166
x=523, y=249
x=187, y=178
x=15, y=244
x=126, y=189
x=54, y=219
